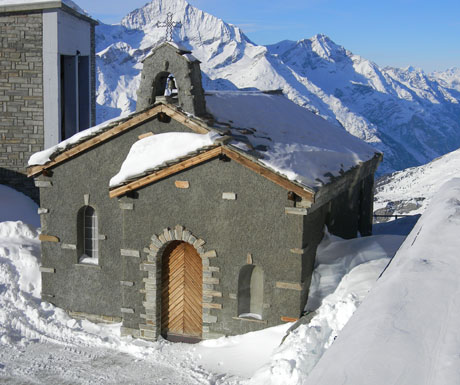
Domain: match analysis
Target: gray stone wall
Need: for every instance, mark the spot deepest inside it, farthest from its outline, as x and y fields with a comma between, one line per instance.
x=254, y=223
x=21, y=97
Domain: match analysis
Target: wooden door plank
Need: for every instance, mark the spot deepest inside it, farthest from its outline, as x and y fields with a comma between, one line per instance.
x=182, y=290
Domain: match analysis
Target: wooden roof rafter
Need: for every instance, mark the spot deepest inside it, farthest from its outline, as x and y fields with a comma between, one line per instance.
x=142, y=117
x=210, y=154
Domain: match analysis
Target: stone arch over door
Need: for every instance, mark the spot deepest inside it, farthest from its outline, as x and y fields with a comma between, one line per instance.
x=160, y=246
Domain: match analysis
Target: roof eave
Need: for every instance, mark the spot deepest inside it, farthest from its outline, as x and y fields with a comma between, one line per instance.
x=195, y=124
x=47, y=5
x=343, y=182
x=230, y=152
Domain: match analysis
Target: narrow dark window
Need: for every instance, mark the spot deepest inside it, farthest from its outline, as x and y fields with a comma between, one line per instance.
x=75, y=94
x=88, y=235
x=250, y=292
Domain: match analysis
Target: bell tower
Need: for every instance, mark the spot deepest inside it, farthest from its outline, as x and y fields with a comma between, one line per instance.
x=171, y=75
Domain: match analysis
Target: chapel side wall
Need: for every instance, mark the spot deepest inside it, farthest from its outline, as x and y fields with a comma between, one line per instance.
x=255, y=223
x=21, y=97
x=344, y=215
x=351, y=211
x=73, y=286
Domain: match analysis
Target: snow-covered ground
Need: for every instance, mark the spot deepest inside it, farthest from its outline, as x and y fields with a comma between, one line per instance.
x=41, y=344
x=406, y=331
x=346, y=270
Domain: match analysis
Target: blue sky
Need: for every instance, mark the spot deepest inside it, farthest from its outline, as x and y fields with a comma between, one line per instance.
x=420, y=33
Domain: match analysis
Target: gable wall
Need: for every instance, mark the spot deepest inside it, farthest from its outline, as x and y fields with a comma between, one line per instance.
x=255, y=223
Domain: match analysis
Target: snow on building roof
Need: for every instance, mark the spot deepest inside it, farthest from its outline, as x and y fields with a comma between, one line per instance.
x=45, y=156
x=151, y=152
x=267, y=128
x=287, y=138
x=22, y=5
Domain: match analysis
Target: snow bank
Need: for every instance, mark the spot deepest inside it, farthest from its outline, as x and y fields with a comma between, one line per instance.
x=240, y=355
x=336, y=257
x=292, y=140
x=41, y=344
x=346, y=271
x=151, y=152
x=16, y=206
x=406, y=331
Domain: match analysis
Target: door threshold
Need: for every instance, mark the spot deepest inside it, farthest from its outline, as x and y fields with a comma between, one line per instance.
x=181, y=338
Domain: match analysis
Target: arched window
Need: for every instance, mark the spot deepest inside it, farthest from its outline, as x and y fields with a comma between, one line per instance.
x=88, y=235
x=250, y=292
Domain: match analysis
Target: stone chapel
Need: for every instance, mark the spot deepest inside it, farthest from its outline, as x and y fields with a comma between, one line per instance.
x=198, y=215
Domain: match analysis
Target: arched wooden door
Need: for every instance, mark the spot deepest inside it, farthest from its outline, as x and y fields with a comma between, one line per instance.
x=181, y=293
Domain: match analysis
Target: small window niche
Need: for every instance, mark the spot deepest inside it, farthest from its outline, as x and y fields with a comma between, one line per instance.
x=250, y=292
x=88, y=235
x=165, y=88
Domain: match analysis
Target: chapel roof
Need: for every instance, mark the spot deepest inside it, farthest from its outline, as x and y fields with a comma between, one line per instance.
x=263, y=130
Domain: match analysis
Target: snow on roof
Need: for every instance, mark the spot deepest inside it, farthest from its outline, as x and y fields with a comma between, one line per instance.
x=149, y=153
x=268, y=127
x=69, y=3
x=288, y=138
x=406, y=330
x=184, y=51
x=43, y=157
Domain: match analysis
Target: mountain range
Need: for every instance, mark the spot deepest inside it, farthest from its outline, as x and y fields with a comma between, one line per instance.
x=411, y=116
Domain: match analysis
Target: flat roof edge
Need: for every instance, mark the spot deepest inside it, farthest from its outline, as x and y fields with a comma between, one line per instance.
x=46, y=5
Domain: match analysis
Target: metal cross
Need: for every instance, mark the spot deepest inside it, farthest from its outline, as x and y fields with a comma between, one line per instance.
x=169, y=24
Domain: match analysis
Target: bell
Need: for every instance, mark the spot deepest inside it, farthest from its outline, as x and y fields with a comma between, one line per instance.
x=171, y=84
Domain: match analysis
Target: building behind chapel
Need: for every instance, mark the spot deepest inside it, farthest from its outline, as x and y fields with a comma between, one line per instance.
x=47, y=81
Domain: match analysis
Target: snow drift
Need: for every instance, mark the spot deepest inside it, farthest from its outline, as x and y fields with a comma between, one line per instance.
x=406, y=330
x=345, y=272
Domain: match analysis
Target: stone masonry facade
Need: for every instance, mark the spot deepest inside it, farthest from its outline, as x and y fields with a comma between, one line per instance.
x=21, y=97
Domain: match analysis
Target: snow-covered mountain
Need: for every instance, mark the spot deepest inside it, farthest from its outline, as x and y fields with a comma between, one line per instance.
x=449, y=78
x=411, y=116
x=410, y=191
